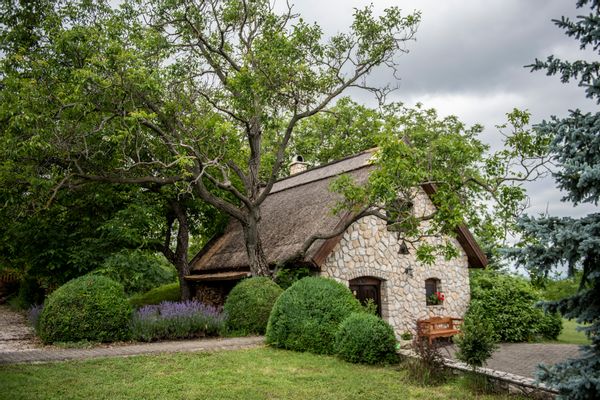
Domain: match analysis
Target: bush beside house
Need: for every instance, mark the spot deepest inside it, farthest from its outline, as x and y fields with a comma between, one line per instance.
x=307, y=315
x=249, y=305
x=509, y=305
x=366, y=338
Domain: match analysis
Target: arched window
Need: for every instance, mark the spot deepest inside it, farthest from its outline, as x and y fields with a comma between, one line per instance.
x=433, y=292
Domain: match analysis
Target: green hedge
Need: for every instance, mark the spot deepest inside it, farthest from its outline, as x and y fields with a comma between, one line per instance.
x=157, y=295
x=87, y=308
x=249, y=305
x=509, y=303
x=307, y=315
x=366, y=338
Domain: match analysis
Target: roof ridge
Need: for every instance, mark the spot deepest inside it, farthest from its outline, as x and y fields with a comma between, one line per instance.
x=302, y=174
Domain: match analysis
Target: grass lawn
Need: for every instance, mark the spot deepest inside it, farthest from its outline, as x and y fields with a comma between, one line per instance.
x=570, y=334
x=245, y=374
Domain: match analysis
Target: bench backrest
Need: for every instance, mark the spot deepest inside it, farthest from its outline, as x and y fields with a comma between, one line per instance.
x=438, y=323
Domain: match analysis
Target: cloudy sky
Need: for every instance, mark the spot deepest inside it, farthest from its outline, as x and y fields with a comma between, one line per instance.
x=468, y=60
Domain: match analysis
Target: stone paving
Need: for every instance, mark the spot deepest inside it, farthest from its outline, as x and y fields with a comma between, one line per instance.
x=523, y=358
x=15, y=332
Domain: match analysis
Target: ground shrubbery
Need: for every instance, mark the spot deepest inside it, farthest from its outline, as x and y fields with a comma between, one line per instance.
x=176, y=320
x=366, y=338
x=249, y=305
x=509, y=305
x=169, y=292
x=477, y=340
x=87, y=308
x=307, y=315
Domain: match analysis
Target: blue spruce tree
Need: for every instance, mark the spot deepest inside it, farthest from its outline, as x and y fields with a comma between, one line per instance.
x=551, y=242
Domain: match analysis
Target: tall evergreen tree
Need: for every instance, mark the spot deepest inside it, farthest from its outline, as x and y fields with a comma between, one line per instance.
x=553, y=242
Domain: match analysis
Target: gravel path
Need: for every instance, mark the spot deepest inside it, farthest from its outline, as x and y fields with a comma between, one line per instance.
x=50, y=353
x=15, y=333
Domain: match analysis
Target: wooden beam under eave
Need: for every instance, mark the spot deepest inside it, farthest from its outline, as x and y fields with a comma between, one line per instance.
x=218, y=276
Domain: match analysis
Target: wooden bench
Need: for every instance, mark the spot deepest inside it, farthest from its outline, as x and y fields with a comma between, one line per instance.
x=436, y=327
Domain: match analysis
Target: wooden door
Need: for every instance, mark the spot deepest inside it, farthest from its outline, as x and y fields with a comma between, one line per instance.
x=366, y=288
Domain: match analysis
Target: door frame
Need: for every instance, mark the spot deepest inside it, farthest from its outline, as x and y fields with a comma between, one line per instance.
x=356, y=283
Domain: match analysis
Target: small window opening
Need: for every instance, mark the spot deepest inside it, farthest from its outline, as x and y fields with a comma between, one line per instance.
x=433, y=292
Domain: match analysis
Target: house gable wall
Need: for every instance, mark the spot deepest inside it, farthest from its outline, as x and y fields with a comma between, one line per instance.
x=367, y=248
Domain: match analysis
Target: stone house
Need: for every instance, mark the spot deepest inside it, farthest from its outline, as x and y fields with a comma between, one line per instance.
x=367, y=256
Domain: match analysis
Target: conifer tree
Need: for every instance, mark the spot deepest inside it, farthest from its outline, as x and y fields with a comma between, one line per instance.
x=552, y=242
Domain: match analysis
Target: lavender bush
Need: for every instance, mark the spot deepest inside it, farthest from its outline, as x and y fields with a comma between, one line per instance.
x=176, y=320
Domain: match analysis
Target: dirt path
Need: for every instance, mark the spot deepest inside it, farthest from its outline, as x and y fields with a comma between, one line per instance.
x=15, y=332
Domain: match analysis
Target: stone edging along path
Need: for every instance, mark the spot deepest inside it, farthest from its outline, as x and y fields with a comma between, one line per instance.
x=505, y=381
x=59, y=354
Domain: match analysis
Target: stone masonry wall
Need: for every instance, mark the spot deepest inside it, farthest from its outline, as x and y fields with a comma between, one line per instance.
x=367, y=248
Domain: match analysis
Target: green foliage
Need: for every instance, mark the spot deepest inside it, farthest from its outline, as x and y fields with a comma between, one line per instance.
x=551, y=243
x=137, y=271
x=307, y=315
x=30, y=293
x=199, y=109
x=169, y=292
x=345, y=129
x=416, y=147
x=557, y=289
x=428, y=368
x=87, y=308
x=288, y=275
x=366, y=338
x=370, y=307
x=477, y=340
x=550, y=326
x=249, y=305
x=509, y=304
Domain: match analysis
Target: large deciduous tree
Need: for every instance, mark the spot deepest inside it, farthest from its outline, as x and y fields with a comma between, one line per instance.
x=202, y=97
x=553, y=242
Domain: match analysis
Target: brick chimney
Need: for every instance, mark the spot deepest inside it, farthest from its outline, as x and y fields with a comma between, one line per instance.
x=297, y=165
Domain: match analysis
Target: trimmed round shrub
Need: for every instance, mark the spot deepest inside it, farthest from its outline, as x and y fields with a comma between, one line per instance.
x=307, y=315
x=87, y=308
x=249, y=305
x=366, y=338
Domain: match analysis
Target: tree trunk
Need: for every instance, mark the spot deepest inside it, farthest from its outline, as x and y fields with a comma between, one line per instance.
x=254, y=249
x=185, y=288
x=179, y=257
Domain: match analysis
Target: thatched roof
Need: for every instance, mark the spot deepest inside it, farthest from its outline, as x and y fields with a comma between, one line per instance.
x=297, y=207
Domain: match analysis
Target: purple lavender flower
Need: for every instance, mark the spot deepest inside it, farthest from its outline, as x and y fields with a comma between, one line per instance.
x=174, y=320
